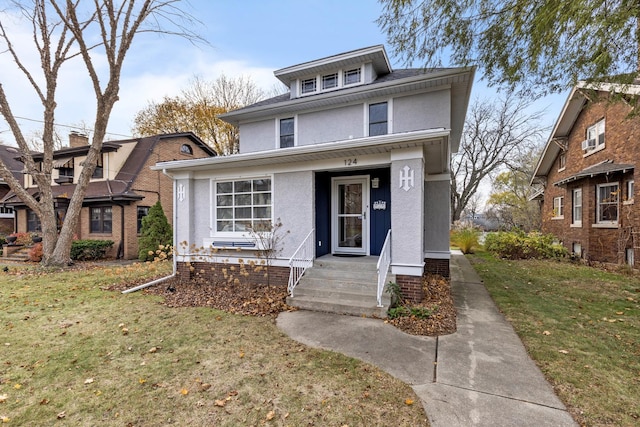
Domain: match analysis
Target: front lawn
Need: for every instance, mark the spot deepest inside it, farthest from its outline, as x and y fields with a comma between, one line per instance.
x=74, y=353
x=582, y=327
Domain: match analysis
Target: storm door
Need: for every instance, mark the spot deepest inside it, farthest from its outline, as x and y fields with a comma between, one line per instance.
x=350, y=212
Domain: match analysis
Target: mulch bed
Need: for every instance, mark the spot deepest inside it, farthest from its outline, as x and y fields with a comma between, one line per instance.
x=270, y=300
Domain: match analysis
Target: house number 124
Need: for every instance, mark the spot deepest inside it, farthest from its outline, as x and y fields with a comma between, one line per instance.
x=350, y=162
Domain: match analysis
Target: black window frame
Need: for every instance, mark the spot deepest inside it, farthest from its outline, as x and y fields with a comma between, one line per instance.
x=287, y=136
x=99, y=225
x=378, y=125
x=139, y=217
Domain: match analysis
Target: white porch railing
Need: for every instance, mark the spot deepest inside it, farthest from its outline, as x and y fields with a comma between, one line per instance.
x=301, y=260
x=383, y=266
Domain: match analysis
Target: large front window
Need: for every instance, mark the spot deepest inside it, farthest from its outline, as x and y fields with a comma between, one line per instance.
x=100, y=220
x=608, y=196
x=243, y=205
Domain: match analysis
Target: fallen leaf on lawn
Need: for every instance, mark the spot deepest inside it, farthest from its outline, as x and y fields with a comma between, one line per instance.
x=563, y=351
x=619, y=313
x=88, y=381
x=44, y=402
x=546, y=333
x=142, y=381
x=184, y=392
x=125, y=331
x=97, y=393
x=365, y=394
x=241, y=355
x=5, y=419
x=121, y=325
x=205, y=387
x=270, y=415
x=408, y=401
x=233, y=393
x=220, y=403
x=17, y=386
x=61, y=415
x=3, y=398
x=153, y=349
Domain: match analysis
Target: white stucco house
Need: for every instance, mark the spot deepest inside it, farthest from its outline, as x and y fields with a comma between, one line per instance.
x=353, y=161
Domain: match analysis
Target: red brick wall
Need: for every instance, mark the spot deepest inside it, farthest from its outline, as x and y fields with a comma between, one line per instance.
x=622, y=145
x=411, y=287
x=233, y=273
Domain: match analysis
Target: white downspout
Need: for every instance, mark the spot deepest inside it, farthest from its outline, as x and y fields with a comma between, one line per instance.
x=175, y=261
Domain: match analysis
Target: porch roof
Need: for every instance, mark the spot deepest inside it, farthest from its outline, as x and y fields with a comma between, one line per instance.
x=329, y=150
x=604, y=168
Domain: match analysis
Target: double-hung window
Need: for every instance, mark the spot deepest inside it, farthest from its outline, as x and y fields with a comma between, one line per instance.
x=287, y=132
x=378, y=119
x=595, y=136
x=142, y=211
x=576, y=204
x=558, y=207
x=608, y=196
x=100, y=219
x=243, y=205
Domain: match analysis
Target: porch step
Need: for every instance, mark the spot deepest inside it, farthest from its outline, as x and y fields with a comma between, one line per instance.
x=341, y=285
x=20, y=255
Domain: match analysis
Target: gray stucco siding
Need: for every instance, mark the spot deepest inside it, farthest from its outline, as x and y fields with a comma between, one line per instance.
x=422, y=111
x=257, y=136
x=293, y=205
x=436, y=216
x=331, y=125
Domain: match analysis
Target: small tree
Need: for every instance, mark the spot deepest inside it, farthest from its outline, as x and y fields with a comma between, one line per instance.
x=156, y=234
x=268, y=237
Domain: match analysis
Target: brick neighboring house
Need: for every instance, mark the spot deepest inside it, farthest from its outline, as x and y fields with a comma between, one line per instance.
x=121, y=191
x=7, y=217
x=588, y=171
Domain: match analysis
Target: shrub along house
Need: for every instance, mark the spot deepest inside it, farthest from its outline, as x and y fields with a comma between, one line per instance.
x=587, y=170
x=353, y=161
x=121, y=191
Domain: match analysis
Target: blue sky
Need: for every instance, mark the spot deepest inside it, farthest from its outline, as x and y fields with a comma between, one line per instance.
x=251, y=38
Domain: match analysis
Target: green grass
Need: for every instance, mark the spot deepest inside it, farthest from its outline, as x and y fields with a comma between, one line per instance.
x=73, y=353
x=582, y=327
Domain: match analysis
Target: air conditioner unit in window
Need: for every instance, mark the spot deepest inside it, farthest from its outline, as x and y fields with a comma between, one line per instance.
x=588, y=144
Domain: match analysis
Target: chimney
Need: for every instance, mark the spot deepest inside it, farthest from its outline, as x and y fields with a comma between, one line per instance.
x=77, y=139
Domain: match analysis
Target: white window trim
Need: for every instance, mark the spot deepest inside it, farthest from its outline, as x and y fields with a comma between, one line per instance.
x=232, y=236
x=560, y=167
x=341, y=84
x=389, y=115
x=606, y=224
x=562, y=206
x=598, y=146
x=629, y=200
x=295, y=130
x=573, y=207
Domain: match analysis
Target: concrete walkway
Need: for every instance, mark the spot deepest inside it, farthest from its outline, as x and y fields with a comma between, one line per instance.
x=479, y=376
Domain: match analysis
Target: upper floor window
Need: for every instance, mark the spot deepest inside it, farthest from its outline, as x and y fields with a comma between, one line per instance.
x=186, y=149
x=378, y=119
x=608, y=196
x=329, y=81
x=577, y=206
x=98, y=172
x=243, y=205
x=352, y=76
x=562, y=162
x=558, y=207
x=630, y=191
x=309, y=85
x=287, y=132
x=595, y=137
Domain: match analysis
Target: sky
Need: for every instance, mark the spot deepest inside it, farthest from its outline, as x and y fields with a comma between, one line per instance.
x=250, y=38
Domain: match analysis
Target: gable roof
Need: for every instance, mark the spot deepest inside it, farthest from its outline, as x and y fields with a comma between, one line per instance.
x=9, y=156
x=120, y=188
x=572, y=108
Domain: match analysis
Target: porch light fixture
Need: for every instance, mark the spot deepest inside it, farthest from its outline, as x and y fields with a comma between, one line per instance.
x=375, y=183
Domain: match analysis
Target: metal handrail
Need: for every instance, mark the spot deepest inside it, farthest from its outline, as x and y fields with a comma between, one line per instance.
x=301, y=259
x=383, y=266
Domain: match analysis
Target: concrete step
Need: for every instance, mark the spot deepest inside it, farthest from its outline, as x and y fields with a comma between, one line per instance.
x=347, y=274
x=340, y=306
x=348, y=294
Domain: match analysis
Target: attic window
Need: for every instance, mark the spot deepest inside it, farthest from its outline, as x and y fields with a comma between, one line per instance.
x=595, y=137
x=329, y=81
x=186, y=149
x=309, y=85
x=352, y=76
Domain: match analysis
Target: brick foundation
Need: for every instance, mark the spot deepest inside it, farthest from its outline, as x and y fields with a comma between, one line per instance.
x=437, y=266
x=411, y=287
x=233, y=273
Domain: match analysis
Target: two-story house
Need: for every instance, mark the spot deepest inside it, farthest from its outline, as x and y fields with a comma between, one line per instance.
x=587, y=170
x=354, y=163
x=121, y=191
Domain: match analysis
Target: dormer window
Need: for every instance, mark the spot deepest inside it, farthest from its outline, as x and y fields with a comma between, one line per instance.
x=352, y=76
x=329, y=81
x=98, y=172
x=309, y=85
x=65, y=170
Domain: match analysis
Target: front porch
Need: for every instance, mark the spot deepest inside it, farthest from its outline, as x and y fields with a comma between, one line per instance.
x=344, y=285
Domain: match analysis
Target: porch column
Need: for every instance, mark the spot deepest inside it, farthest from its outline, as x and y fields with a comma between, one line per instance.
x=437, y=213
x=407, y=216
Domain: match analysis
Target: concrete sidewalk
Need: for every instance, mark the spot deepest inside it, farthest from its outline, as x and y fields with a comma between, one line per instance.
x=479, y=376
